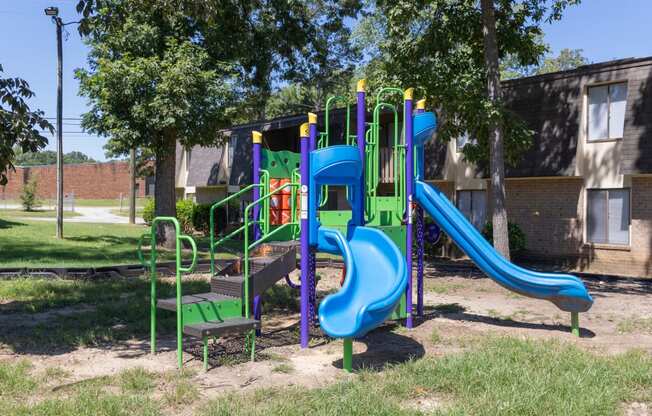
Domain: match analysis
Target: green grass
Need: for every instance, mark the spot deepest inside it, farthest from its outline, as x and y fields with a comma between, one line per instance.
x=87, y=202
x=38, y=213
x=285, y=368
x=502, y=376
x=635, y=324
x=32, y=244
x=496, y=376
x=115, y=310
x=442, y=287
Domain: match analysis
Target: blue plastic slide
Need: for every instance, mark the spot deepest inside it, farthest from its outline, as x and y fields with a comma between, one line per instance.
x=376, y=277
x=565, y=291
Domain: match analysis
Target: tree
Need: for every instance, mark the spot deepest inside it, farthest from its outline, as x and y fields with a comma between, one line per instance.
x=49, y=157
x=28, y=197
x=496, y=146
x=567, y=59
x=439, y=46
x=168, y=71
x=20, y=127
x=150, y=86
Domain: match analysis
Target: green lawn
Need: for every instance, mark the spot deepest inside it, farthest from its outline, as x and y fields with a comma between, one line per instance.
x=32, y=244
x=495, y=376
x=39, y=213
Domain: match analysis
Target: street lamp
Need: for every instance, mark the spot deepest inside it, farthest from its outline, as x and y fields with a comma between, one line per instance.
x=54, y=13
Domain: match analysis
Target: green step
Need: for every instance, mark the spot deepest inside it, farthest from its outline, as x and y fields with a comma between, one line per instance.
x=221, y=328
x=204, y=307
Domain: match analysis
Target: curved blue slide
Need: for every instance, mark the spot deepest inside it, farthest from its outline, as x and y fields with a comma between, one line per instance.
x=565, y=291
x=376, y=277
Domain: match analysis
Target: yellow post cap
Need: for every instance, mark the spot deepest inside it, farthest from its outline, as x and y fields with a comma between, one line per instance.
x=421, y=104
x=256, y=136
x=408, y=94
x=362, y=84
x=312, y=118
x=304, y=130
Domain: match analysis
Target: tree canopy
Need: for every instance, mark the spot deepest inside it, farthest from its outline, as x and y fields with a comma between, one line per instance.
x=20, y=128
x=437, y=46
x=49, y=157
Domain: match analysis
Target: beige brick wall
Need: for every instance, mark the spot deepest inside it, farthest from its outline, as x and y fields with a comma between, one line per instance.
x=551, y=212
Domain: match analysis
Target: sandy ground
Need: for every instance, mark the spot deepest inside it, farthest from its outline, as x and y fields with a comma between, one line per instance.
x=456, y=307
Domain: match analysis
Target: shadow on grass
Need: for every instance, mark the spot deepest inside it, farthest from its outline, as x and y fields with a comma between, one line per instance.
x=385, y=348
x=100, y=318
x=4, y=224
x=457, y=312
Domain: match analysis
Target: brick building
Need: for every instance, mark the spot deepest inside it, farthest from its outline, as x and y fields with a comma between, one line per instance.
x=582, y=194
x=86, y=180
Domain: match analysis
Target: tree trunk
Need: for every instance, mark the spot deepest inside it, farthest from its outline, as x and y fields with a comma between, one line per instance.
x=496, y=151
x=165, y=188
x=132, y=186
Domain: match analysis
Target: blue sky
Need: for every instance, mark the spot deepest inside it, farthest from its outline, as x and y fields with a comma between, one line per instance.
x=604, y=29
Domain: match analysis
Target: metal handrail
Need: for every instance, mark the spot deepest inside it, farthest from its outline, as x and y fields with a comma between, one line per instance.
x=212, y=244
x=265, y=237
x=179, y=269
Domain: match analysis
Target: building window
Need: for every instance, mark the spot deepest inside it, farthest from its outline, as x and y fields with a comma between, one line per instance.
x=608, y=215
x=473, y=205
x=233, y=140
x=606, y=116
x=188, y=157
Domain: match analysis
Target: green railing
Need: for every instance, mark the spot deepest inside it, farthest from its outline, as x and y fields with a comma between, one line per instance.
x=213, y=244
x=179, y=269
x=265, y=237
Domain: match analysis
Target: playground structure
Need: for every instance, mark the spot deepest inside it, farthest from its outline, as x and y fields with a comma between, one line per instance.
x=374, y=237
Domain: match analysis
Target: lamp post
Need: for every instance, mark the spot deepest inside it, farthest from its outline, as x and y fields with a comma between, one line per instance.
x=53, y=12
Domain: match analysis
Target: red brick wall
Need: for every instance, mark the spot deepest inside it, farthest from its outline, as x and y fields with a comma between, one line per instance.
x=87, y=181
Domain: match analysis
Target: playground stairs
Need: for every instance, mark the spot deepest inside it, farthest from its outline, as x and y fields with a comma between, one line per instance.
x=221, y=311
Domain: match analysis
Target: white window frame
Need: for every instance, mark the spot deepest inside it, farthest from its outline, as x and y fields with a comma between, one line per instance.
x=588, y=113
x=586, y=222
x=230, y=150
x=486, y=204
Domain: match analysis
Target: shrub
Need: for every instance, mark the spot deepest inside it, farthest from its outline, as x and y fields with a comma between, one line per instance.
x=201, y=218
x=516, y=236
x=28, y=195
x=148, y=211
x=185, y=214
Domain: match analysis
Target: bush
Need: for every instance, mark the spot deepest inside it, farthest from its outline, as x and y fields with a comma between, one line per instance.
x=516, y=236
x=28, y=195
x=191, y=216
x=148, y=211
x=185, y=214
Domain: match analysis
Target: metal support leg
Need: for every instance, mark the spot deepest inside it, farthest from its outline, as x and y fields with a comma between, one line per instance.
x=253, y=346
x=205, y=341
x=347, y=359
x=575, y=323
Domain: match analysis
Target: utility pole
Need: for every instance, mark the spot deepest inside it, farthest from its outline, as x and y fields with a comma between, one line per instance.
x=132, y=187
x=54, y=13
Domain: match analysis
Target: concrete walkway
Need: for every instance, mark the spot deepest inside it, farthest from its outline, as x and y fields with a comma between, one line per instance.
x=101, y=215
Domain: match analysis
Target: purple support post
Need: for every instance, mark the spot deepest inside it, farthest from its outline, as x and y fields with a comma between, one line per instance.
x=257, y=139
x=304, y=134
x=409, y=190
x=312, y=314
x=361, y=113
x=421, y=223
